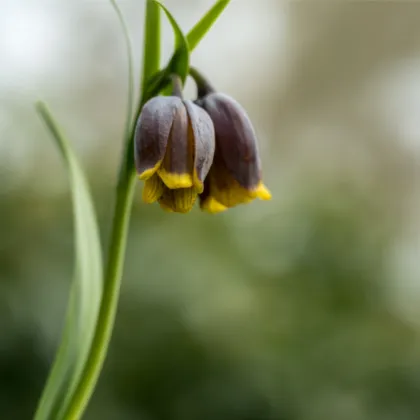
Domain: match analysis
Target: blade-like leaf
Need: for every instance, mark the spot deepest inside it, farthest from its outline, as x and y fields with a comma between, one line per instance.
x=86, y=289
x=180, y=61
x=197, y=33
x=130, y=93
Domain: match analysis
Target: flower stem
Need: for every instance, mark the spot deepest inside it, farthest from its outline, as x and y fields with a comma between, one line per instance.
x=109, y=301
x=120, y=224
x=176, y=86
x=151, y=54
x=204, y=87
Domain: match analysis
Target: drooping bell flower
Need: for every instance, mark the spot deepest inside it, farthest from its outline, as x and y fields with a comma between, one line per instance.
x=174, y=147
x=235, y=176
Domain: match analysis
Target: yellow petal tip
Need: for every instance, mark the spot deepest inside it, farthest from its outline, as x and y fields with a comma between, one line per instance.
x=263, y=192
x=211, y=205
x=175, y=181
x=148, y=173
x=198, y=184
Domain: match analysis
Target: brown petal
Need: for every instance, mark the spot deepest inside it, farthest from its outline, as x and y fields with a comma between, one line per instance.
x=204, y=142
x=223, y=191
x=177, y=165
x=152, y=132
x=236, y=141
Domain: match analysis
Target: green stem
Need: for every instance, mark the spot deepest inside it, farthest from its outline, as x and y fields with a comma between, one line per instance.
x=109, y=301
x=151, y=55
x=204, y=87
x=118, y=241
x=113, y=276
x=177, y=86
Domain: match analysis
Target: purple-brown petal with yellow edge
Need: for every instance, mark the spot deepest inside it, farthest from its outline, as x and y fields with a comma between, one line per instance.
x=201, y=130
x=235, y=176
x=177, y=165
x=235, y=138
x=174, y=147
x=225, y=190
x=152, y=132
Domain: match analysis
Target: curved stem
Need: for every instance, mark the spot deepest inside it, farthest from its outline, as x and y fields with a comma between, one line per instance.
x=204, y=87
x=113, y=276
x=109, y=301
x=125, y=192
x=120, y=224
x=176, y=86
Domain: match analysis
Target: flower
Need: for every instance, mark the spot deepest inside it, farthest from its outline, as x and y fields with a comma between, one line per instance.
x=235, y=175
x=174, y=147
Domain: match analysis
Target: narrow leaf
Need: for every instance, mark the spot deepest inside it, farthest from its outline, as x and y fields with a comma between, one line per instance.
x=86, y=289
x=205, y=23
x=130, y=93
x=180, y=61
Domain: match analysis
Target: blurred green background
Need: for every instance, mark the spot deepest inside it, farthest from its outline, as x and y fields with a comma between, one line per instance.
x=302, y=308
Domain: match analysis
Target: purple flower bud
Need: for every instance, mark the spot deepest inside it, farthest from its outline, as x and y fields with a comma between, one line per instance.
x=173, y=147
x=235, y=176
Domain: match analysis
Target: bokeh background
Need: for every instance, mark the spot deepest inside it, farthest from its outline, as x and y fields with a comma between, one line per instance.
x=303, y=308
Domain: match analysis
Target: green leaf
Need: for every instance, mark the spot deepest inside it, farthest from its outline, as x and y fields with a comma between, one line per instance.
x=130, y=93
x=205, y=23
x=179, y=63
x=180, y=59
x=86, y=289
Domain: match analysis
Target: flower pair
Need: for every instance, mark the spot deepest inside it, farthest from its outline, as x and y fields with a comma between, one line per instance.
x=206, y=149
